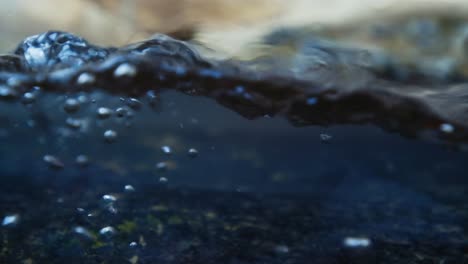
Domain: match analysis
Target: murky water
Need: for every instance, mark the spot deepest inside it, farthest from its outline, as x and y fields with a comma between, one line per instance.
x=153, y=154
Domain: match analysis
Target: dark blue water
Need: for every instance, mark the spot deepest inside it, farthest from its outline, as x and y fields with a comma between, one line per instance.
x=258, y=191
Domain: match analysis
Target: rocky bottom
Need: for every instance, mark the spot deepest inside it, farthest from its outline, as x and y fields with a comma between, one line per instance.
x=165, y=225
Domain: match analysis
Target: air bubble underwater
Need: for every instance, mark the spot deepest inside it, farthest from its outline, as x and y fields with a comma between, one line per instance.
x=71, y=105
x=166, y=150
x=86, y=79
x=121, y=112
x=28, y=98
x=53, y=162
x=82, y=160
x=134, y=104
x=10, y=220
x=109, y=198
x=108, y=203
x=110, y=136
x=104, y=112
x=192, y=153
x=357, y=242
x=125, y=70
x=84, y=232
x=129, y=188
x=76, y=115
x=161, y=166
x=74, y=123
x=133, y=244
x=107, y=232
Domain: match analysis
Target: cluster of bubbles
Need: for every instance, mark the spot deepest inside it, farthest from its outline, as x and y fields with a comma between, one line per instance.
x=108, y=204
x=73, y=106
x=84, y=104
x=163, y=166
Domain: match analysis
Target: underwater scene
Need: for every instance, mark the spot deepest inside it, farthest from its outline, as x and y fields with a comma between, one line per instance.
x=311, y=141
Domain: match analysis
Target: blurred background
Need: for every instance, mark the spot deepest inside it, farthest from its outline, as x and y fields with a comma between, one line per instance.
x=224, y=25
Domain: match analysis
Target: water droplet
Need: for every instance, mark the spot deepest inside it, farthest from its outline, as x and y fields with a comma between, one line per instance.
x=447, y=128
x=107, y=231
x=53, y=162
x=356, y=242
x=166, y=150
x=110, y=136
x=71, y=105
x=104, y=112
x=85, y=79
x=10, y=220
x=125, y=70
x=325, y=138
x=129, y=188
x=82, y=160
x=192, y=153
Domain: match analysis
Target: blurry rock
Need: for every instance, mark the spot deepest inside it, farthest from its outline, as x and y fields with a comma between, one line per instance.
x=222, y=25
